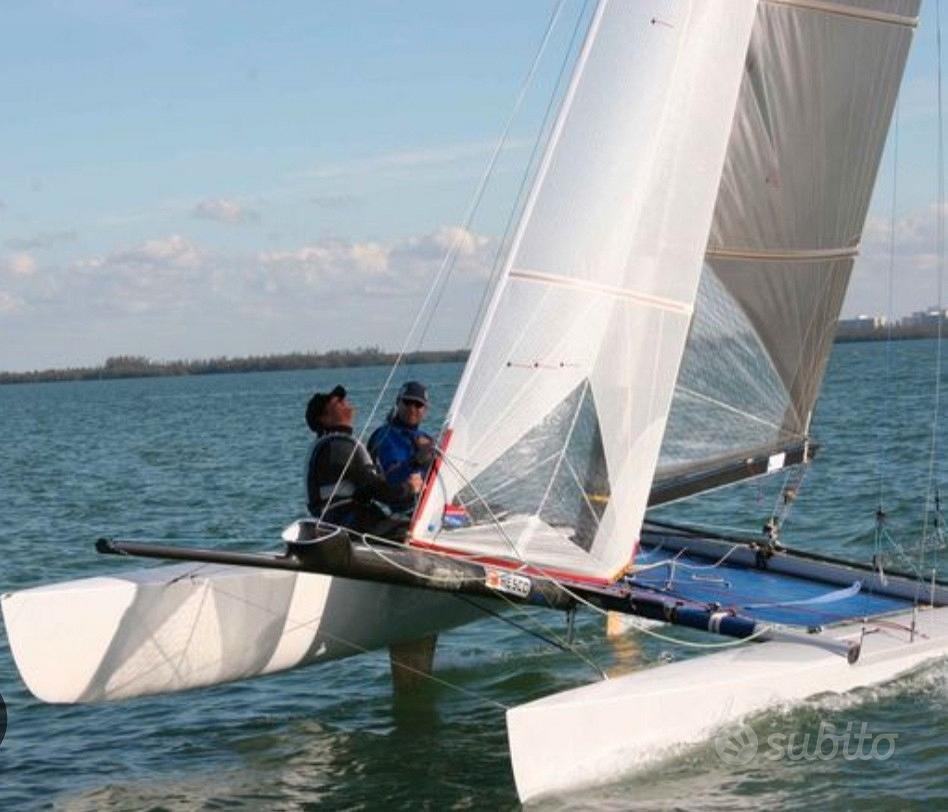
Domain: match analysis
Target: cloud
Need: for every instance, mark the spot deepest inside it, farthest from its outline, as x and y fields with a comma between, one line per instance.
x=353, y=277
x=400, y=267
x=46, y=239
x=463, y=243
x=20, y=264
x=171, y=274
x=171, y=252
x=10, y=304
x=225, y=211
x=914, y=262
x=175, y=297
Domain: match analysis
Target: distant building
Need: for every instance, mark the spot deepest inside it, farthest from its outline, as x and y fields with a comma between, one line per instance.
x=929, y=323
x=926, y=318
x=862, y=325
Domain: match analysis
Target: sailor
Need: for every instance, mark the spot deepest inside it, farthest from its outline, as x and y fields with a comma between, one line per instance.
x=399, y=447
x=343, y=486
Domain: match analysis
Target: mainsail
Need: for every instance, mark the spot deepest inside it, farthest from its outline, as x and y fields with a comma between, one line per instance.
x=554, y=433
x=819, y=87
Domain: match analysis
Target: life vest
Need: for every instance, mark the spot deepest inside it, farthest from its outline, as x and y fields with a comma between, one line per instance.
x=323, y=472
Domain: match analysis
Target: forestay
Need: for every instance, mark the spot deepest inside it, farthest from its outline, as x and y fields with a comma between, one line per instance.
x=554, y=432
x=817, y=96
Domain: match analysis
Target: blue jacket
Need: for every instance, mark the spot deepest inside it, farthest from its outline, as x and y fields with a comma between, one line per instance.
x=393, y=447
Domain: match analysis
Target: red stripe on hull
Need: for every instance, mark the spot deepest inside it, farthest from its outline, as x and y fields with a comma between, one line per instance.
x=511, y=564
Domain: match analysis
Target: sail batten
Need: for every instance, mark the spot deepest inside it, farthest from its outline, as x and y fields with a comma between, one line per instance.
x=819, y=87
x=610, y=290
x=850, y=10
x=797, y=255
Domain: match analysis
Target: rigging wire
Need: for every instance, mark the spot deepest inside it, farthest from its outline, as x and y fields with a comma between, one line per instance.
x=521, y=191
x=432, y=296
x=510, y=622
x=882, y=534
x=292, y=625
x=932, y=525
x=441, y=280
x=786, y=497
x=579, y=599
x=548, y=634
x=890, y=275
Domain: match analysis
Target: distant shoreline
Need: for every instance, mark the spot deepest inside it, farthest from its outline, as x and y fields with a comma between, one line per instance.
x=133, y=366
x=898, y=333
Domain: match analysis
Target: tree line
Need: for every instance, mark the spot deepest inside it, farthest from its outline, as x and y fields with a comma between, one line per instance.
x=137, y=366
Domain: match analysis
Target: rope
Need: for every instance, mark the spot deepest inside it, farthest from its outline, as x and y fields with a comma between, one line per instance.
x=487, y=507
x=502, y=245
x=932, y=498
x=890, y=275
x=579, y=599
x=441, y=281
x=550, y=635
x=433, y=295
x=785, y=499
x=497, y=615
x=369, y=538
x=674, y=563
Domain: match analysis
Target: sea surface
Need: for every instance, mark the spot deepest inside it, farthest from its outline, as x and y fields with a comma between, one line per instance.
x=218, y=459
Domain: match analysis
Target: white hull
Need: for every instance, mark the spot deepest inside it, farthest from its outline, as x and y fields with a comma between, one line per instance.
x=596, y=733
x=173, y=628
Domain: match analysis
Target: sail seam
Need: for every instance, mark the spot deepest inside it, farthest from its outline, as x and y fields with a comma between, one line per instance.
x=803, y=255
x=609, y=290
x=841, y=10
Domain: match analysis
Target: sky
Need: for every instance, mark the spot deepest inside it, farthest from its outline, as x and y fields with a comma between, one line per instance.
x=186, y=180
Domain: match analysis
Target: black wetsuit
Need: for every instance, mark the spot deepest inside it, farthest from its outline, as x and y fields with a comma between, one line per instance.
x=353, y=502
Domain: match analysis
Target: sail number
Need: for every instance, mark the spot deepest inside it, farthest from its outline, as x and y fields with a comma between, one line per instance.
x=508, y=582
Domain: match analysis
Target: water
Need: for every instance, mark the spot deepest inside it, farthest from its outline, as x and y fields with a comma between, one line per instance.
x=221, y=457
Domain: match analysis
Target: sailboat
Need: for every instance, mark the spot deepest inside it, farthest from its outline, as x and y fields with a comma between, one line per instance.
x=659, y=329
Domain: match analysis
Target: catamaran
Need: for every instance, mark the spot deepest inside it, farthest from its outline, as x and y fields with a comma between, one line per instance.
x=659, y=328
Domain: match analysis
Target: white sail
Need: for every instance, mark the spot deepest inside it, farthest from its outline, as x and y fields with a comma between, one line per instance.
x=562, y=406
x=819, y=88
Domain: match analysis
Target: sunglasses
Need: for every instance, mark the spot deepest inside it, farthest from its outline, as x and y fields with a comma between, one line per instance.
x=418, y=404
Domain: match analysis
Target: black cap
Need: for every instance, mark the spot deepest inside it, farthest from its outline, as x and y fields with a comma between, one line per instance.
x=412, y=390
x=317, y=405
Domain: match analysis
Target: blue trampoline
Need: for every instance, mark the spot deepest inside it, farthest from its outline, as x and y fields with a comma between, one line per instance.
x=680, y=575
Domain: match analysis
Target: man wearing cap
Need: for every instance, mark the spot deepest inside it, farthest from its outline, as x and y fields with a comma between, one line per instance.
x=399, y=446
x=343, y=486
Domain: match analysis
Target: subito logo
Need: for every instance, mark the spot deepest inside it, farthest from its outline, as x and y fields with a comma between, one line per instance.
x=736, y=745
